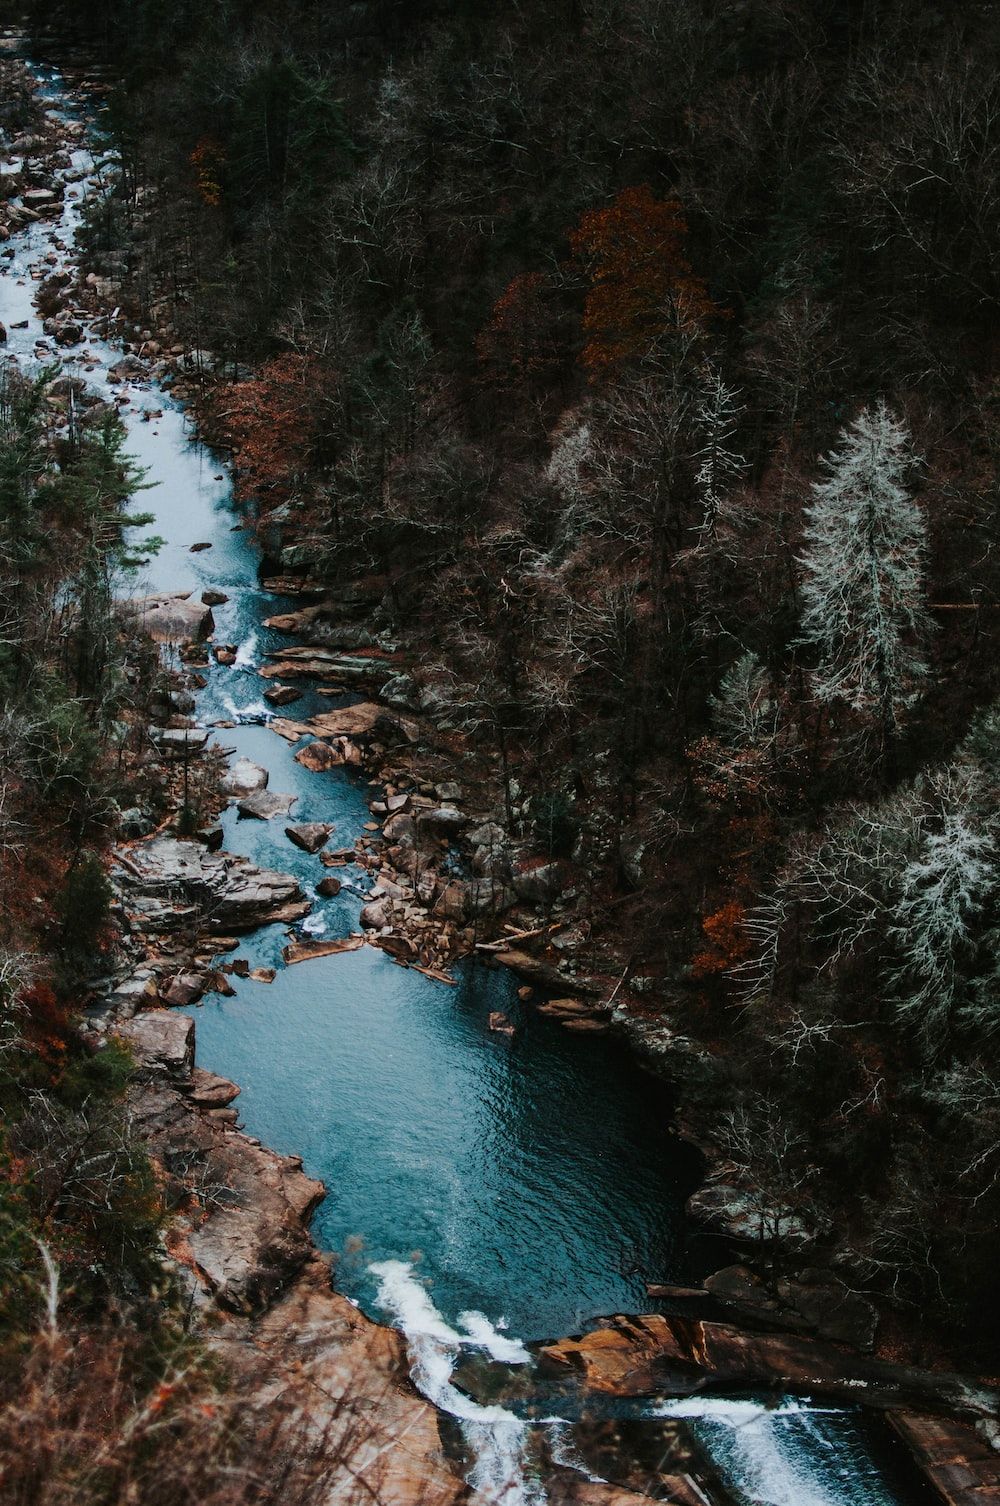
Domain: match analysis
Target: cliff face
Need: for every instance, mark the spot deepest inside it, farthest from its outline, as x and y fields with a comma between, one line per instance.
x=239, y=1242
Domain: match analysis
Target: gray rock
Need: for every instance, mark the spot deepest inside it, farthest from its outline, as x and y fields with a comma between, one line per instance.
x=182, y=990
x=737, y=1213
x=309, y=835
x=633, y=847
x=171, y=618
x=264, y=805
x=401, y=829
x=174, y=883
x=402, y=692
x=375, y=915
x=161, y=1042
x=832, y=1310
x=244, y=777
x=539, y=885
x=178, y=741
x=739, y=1287
x=213, y=598
x=134, y=823
x=207, y=1091
x=133, y=995
x=443, y=818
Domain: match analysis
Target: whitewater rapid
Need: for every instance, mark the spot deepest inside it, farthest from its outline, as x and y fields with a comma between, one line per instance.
x=497, y=1440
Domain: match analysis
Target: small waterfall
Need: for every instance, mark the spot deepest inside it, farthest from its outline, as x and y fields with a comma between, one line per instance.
x=496, y=1438
x=780, y=1455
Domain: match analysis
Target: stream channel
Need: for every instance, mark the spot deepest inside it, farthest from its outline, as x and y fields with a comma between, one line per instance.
x=481, y=1190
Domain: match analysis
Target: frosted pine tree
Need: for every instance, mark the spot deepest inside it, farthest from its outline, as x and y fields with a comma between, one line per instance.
x=862, y=587
x=942, y=896
x=718, y=463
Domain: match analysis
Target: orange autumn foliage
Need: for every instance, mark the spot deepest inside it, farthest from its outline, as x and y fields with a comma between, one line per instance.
x=272, y=424
x=518, y=343
x=728, y=942
x=641, y=282
x=208, y=160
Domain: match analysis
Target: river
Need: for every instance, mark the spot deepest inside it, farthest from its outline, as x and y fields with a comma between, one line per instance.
x=482, y=1190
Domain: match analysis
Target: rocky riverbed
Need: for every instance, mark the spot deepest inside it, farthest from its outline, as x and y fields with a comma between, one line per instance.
x=445, y=879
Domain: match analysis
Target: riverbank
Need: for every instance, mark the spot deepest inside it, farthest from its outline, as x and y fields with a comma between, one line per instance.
x=431, y=835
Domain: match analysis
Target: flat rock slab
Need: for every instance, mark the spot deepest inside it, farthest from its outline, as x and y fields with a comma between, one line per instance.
x=171, y=883
x=177, y=741
x=395, y=1456
x=951, y=1455
x=312, y=660
x=264, y=805
x=366, y=719
x=304, y=951
x=545, y=974
x=161, y=1042
x=244, y=777
x=678, y=1356
x=282, y=695
x=171, y=618
x=309, y=835
x=208, y=1091
x=249, y=1239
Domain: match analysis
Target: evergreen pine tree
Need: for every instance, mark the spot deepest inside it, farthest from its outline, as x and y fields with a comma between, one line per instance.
x=862, y=589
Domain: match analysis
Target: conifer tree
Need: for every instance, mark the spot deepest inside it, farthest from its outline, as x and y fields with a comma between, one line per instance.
x=862, y=588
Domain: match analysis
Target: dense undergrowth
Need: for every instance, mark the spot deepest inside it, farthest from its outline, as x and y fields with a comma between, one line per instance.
x=553, y=314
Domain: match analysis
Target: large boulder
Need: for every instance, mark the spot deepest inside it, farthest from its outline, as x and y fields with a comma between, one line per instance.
x=442, y=819
x=737, y=1213
x=401, y=829
x=249, y=1238
x=183, y=990
x=179, y=742
x=309, y=835
x=171, y=618
x=171, y=883
x=539, y=883
x=831, y=1309
x=264, y=805
x=244, y=777
x=161, y=1042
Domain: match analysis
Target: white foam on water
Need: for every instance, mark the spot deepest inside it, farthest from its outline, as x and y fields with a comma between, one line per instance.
x=564, y=1450
x=256, y=711
x=484, y=1333
x=246, y=653
x=314, y=925
x=768, y=1454
x=496, y=1438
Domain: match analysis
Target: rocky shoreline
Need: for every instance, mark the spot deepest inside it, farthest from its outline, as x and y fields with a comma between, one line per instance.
x=239, y=1239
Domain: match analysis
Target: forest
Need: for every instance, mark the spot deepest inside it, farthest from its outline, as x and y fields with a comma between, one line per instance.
x=638, y=359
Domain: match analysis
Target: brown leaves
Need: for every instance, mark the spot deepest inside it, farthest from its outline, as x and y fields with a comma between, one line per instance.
x=208, y=160
x=642, y=285
x=272, y=422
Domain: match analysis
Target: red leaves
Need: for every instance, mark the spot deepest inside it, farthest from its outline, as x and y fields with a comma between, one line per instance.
x=272, y=423
x=728, y=942
x=642, y=285
x=519, y=343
